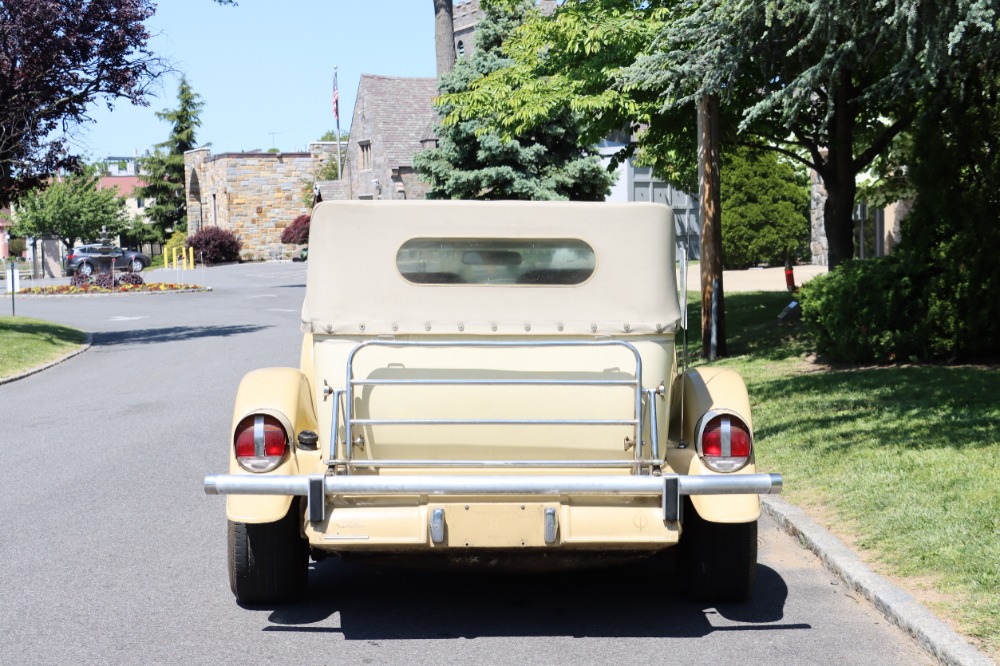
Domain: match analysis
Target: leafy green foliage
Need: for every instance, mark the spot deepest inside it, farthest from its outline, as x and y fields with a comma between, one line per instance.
x=954, y=227
x=16, y=247
x=177, y=241
x=868, y=312
x=765, y=209
x=71, y=208
x=473, y=161
x=163, y=171
x=213, y=245
x=825, y=83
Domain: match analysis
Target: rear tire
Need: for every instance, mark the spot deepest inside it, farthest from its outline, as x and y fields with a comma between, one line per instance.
x=718, y=561
x=268, y=562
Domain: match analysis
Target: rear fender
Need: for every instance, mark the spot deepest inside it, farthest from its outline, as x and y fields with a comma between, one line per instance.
x=695, y=393
x=285, y=394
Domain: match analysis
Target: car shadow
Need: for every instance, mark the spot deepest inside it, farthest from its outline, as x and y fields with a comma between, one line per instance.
x=170, y=334
x=376, y=602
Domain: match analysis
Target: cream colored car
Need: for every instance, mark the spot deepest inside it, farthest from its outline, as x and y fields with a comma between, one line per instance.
x=491, y=378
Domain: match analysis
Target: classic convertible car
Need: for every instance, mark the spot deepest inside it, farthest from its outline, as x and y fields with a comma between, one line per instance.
x=483, y=379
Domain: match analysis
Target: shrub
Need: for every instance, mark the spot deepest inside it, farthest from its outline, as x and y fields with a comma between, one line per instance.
x=130, y=278
x=105, y=281
x=868, y=311
x=177, y=240
x=79, y=280
x=16, y=247
x=297, y=232
x=213, y=245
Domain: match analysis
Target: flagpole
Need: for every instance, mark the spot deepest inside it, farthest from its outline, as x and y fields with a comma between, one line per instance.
x=336, y=115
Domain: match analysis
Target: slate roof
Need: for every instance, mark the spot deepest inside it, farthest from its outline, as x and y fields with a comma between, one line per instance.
x=330, y=190
x=402, y=110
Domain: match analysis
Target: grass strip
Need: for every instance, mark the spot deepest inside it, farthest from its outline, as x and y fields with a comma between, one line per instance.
x=28, y=343
x=904, y=461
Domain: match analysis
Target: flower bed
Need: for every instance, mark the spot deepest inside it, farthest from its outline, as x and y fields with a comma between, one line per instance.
x=69, y=289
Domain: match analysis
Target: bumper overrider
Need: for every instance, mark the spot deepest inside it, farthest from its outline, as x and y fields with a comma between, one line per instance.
x=317, y=488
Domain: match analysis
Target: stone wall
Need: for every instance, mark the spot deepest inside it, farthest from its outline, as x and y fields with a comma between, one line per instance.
x=254, y=195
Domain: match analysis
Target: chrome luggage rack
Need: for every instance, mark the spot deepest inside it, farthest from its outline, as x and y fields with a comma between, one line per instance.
x=644, y=406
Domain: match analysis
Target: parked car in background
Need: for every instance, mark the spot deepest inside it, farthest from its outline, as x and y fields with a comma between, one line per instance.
x=88, y=259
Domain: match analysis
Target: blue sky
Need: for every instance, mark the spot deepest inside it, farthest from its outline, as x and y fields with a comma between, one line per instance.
x=266, y=67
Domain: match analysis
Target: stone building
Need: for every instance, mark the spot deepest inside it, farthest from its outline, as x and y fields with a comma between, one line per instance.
x=255, y=195
x=393, y=119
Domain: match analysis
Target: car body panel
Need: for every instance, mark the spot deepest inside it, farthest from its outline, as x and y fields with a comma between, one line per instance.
x=458, y=407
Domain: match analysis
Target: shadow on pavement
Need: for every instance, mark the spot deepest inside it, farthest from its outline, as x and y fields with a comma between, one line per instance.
x=376, y=602
x=170, y=334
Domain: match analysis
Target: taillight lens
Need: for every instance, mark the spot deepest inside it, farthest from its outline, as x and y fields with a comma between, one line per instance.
x=725, y=444
x=261, y=443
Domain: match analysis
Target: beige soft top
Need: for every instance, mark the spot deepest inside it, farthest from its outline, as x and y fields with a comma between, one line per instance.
x=354, y=286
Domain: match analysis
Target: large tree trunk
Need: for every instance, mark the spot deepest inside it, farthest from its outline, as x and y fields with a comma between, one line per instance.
x=839, y=177
x=713, y=310
x=444, y=36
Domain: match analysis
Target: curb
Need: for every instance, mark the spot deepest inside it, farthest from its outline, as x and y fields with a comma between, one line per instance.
x=27, y=373
x=931, y=633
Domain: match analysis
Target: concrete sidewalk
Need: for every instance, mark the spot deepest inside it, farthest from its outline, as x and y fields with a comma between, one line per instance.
x=755, y=279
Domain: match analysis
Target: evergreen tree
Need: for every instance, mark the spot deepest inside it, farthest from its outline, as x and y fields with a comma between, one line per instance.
x=163, y=171
x=471, y=162
x=765, y=208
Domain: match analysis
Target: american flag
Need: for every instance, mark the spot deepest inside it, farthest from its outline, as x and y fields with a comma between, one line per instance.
x=336, y=97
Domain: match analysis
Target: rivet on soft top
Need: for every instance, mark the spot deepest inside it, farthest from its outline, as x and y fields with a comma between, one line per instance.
x=593, y=328
x=361, y=326
x=329, y=328
x=395, y=327
x=493, y=327
x=559, y=326
x=427, y=326
x=461, y=327
x=627, y=328
x=527, y=327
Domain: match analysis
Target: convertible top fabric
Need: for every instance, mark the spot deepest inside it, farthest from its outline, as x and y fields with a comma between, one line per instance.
x=355, y=288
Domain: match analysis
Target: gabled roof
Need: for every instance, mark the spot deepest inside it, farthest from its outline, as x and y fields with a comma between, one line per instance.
x=125, y=184
x=401, y=110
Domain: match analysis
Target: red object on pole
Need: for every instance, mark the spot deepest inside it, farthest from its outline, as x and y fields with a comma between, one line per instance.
x=790, y=278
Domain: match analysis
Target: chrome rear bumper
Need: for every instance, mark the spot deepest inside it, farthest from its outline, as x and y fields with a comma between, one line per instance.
x=669, y=486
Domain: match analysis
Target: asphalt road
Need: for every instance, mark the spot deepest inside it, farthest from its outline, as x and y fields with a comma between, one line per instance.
x=110, y=552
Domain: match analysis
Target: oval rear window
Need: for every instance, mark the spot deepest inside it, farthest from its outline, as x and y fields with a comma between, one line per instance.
x=496, y=261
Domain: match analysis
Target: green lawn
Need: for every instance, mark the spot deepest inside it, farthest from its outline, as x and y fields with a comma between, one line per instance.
x=902, y=461
x=27, y=343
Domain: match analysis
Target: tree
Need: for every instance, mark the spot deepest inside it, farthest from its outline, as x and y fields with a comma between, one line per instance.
x=765, y=208
x=71, y=208
x=827, y=83
x=56, y=58
x=163, y=172
x=472, y=162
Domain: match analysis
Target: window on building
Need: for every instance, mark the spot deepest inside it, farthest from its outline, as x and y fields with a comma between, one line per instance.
x=365, y=155
x=461, y=47
x=140, y=203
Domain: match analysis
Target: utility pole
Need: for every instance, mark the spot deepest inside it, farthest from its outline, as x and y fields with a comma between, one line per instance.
x=713, y=312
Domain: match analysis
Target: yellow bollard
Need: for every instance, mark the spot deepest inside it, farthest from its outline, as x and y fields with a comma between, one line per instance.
x=191, y=254
x=175, y=258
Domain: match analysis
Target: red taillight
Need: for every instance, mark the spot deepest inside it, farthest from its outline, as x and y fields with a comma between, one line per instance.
x=260, y=442
x=725, y=443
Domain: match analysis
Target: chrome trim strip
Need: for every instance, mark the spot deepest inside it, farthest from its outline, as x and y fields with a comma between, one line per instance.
x=726, y=437
x=567, y=464
x=584, y=422
x=551, y=525
x=547, y=485
x=437, y=526
x=258, y=436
